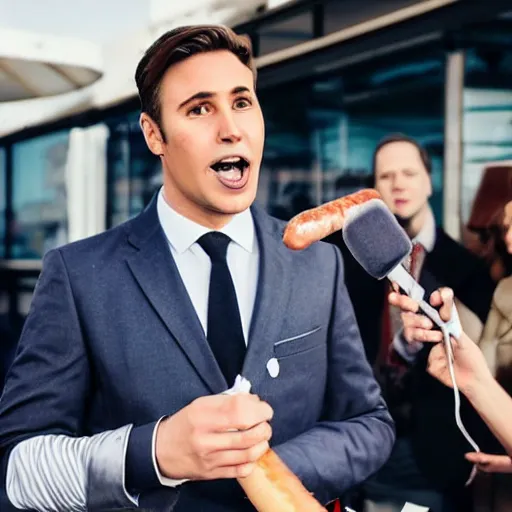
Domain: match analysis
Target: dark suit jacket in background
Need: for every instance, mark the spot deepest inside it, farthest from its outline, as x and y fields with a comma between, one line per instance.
x=8, y=342
x=438, y=444
x=112, y=339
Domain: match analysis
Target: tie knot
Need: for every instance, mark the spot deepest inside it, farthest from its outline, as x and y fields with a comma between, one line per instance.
x=215, y=244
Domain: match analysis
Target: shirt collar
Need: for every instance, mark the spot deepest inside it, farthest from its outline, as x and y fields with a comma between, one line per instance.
x=427, y=235
x=182, y=233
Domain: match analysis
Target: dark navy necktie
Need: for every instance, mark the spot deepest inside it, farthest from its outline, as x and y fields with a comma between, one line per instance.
x=224, y=325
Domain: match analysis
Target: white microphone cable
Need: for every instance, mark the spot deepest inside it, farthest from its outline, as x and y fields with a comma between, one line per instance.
x=456, y=393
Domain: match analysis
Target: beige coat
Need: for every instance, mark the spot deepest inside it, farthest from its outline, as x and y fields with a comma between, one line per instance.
x=494, y=492
x=496, y=339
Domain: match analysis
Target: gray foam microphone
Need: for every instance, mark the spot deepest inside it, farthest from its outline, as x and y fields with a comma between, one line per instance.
x=380, y=245
x=374, y=237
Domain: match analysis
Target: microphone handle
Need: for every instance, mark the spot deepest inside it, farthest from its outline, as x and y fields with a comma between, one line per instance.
x=452, y=327
x=413, y=289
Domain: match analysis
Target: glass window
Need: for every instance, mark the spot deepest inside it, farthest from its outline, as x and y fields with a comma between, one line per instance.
x=278, y=35
x=39, y=195
x=134, y=172
x=315, y=19
x=2, y=201
x=321, y=133
x=487, y=103
x=346, y=13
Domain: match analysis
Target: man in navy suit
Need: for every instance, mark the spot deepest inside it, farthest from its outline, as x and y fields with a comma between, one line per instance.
x=115, y=399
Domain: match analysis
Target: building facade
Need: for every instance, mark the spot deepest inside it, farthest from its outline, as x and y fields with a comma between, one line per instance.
x=334, y=77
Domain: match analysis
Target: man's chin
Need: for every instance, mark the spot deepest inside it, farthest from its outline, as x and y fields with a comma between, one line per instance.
x=403, y=220
x=232, y=207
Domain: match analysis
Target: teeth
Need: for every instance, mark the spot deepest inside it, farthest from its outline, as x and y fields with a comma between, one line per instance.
x=231, y=160
x=234, y=174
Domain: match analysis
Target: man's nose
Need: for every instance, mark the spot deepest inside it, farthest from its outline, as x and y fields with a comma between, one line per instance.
x=397, y=182
x=228, y=130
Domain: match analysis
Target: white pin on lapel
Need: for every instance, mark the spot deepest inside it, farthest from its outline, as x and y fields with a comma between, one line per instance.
x=273, y=367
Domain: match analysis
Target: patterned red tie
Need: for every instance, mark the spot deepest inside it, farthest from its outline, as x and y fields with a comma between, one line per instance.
x=391, y=320
x=416, y=260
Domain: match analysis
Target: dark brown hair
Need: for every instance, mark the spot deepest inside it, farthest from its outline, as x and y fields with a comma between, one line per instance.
x=488, y=213
x=180, y=44
x=400, y=137
x=493, y=193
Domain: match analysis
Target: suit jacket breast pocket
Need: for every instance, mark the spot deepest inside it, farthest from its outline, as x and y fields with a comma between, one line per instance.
x=302, y=342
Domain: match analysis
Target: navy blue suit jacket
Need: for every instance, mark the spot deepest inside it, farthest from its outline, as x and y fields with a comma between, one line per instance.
x=112, y=339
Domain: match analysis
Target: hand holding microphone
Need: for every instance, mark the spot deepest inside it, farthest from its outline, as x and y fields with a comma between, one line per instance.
x=470, y=367
x=472, y=375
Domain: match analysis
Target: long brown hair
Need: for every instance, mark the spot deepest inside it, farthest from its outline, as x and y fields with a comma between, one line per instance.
x=487, y=217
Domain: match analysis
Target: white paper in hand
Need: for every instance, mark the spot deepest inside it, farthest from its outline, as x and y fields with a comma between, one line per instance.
x=242, y=385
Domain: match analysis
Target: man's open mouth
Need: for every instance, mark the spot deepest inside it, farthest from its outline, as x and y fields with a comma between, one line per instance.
x=232, y=171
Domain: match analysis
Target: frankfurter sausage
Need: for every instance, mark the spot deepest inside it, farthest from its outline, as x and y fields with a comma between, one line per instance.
x=316, y=223
x=272, y=487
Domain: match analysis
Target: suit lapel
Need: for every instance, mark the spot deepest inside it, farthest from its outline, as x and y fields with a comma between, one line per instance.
x=272, y=296
x=154, y=269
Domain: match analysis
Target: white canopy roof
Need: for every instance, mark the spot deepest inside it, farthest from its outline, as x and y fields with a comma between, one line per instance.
x=33, y=65
x=114, y=59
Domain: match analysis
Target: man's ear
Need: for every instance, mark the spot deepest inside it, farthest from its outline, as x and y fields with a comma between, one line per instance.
x=429, y=186
x=152, y=134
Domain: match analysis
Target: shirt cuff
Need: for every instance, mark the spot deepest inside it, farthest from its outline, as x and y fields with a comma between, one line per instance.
x=407, y=350
x=167, y=482
x=140, y=474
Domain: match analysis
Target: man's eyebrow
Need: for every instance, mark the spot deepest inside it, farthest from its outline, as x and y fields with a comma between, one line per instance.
x=198, y=96
x=239, y=89
x=203, y=95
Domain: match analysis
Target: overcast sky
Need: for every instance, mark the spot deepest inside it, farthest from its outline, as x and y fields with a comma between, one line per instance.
x=96, y=20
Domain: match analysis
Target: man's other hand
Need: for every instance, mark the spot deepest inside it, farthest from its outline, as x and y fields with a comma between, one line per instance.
x=219, y=436
x=417, y=327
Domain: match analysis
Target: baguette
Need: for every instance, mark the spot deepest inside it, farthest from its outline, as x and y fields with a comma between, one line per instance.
x=272, y=487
